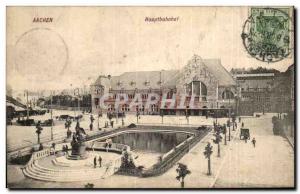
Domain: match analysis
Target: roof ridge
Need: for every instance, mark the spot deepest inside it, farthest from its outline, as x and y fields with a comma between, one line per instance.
x=218, y=63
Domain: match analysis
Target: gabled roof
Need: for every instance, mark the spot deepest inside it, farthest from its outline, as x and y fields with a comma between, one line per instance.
x=216, y=68
x=163, y=78
x=142, y=79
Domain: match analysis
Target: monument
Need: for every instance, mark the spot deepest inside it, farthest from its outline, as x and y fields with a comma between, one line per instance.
x=78, y=145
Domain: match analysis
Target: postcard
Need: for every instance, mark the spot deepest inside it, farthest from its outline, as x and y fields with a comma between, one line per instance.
x=153, y=97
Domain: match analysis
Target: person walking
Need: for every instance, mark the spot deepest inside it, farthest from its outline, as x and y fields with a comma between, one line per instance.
x=95, y=162
x=112, y=124
x=245, y=138
x=242, y=124
x=91, y=127
x=53, y=147
x=100, y=161
x=92, y=118
x=253, y=142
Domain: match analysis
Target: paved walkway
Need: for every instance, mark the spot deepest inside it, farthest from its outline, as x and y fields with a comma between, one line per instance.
x=270, y=164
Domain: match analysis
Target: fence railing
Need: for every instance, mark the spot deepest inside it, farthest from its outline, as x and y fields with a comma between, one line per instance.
x=169, y=160
x=177, y=147
x=112, y=147
x=38, y=155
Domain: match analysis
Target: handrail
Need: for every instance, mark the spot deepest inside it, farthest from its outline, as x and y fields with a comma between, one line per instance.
x=38, y=155
x=173, y=157
x=176, y=147
x=117, y=146
x=126, y=130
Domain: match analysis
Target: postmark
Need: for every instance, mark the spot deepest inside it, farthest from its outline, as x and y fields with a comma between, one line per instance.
x=267, y=34
x=37, y=51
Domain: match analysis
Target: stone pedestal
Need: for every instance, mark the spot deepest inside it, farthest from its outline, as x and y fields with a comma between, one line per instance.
x=78, y=151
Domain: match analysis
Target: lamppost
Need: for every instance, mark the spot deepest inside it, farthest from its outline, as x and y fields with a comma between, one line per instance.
x=225, y=131
x=217, y=112
x=236, y=96
x=228, y=125
x=27, y=108
x=187, y=114
x=117, y=115
x=98, y=119
x=78, y=100
x=162, y=116
x=137, y=115
x=51, y=115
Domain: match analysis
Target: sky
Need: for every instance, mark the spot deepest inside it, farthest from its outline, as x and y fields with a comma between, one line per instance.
x=83, y=42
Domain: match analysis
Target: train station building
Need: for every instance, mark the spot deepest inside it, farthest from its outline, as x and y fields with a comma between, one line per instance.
x=201, y=87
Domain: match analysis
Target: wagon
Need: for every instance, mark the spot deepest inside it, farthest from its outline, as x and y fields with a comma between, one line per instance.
x=245, y=133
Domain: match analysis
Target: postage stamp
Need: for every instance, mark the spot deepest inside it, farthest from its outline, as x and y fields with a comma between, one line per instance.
x=267, y=34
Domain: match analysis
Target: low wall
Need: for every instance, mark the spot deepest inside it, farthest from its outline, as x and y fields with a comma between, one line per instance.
x=173, y=157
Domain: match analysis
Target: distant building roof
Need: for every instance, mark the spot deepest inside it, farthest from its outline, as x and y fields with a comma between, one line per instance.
x=254, y=75
x=142, y=79
x=163, y=78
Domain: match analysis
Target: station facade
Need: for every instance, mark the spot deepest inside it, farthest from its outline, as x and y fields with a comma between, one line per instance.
x=201, y=87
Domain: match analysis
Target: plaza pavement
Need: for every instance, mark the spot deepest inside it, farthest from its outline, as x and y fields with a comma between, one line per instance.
x=269, y=164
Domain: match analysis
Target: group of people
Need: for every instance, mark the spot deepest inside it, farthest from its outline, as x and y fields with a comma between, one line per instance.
x=108, y=144
x=246, y=137
x=253, y=141
x=106, y=124
x=234, y=124
x=99, y=161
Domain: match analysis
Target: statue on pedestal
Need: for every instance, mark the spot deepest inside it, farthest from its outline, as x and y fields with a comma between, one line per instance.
x=78, y=145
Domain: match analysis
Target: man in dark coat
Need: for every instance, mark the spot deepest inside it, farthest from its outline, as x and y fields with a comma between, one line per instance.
x=100, y=161
x=253, y=142
x=112, y=124
x=95, y=162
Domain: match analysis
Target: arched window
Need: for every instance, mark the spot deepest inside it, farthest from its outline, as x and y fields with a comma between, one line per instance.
x=227, y=94
x=170, y=94
x=142, y=108
x=154, y=108
x=197, y=88
x=125, y=107
x=111, y=107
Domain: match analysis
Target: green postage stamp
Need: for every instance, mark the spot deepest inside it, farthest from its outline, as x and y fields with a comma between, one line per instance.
x=267, y=33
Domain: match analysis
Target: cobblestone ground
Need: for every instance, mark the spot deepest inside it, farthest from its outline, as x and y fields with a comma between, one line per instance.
x=269, y=164
x=18, y=136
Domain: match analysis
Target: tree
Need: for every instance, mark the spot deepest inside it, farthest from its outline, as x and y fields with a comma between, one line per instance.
x=224, y=132
x=207, y=153
x=218, y=139
x=38, y=131
x=182, y=170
